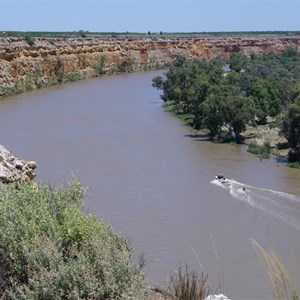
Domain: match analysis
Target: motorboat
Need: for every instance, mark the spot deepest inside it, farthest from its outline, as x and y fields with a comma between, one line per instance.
x=221, y=178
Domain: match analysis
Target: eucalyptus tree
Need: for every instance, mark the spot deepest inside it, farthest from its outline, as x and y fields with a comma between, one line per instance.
x=255, y=88
x=237, y=62
x=291, y=128
x=212, y=115
x=238, y=111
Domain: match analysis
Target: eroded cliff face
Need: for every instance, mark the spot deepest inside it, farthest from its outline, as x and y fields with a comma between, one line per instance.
x=50, y=61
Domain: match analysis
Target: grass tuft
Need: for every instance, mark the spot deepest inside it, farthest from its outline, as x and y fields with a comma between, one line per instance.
x=188, y=285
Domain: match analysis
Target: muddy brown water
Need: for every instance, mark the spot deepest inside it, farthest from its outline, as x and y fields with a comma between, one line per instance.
x=154, y=183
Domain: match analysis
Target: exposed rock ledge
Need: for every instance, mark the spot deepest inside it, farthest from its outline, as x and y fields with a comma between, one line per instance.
x=51, y=61
x=15, y=169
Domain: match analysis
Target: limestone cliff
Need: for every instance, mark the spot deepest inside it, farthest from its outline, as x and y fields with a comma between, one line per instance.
x=14, y=169
x=49, y=61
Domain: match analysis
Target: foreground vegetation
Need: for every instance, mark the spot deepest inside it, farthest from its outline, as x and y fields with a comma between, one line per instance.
x=255, y=89
x=51, y=249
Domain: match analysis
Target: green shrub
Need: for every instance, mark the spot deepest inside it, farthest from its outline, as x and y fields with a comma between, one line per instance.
x=98, y=67
x=261, y=150
x=226, y=137
x=60, y=75
x=171, y=106
x=187, y=118
x=51, y=41
x=294, y=165
x=30, y=40
x=73, y=77
x=22, y=84
x=51, y=249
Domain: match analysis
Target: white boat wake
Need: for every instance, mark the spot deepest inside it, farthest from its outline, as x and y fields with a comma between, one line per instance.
x=283, y=206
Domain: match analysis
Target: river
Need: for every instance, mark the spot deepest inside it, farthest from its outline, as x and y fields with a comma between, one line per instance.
x=154, y=183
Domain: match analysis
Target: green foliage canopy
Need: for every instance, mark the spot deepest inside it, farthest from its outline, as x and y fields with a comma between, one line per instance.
x=291, y=127
x=256, y=87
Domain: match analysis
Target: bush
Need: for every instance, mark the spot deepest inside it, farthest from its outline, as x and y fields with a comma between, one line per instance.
x=21, y=85
x=51, y=41
x=73, y=77
x=261, y=150
x=187, y=118
x=226, y=137
x=51, y=249
x=29, y=40
x=60, y=75
x=99, y=66
x=294, y=165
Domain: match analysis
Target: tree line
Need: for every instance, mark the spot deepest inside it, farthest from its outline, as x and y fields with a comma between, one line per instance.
x=253, y=88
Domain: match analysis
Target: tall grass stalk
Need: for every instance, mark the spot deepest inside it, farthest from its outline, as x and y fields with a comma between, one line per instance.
x=188, y=285
x=198, y=259
x=281, y=284
x=220, y=268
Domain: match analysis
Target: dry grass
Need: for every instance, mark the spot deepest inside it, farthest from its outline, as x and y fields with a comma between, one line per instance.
x=188, y=285
x=264, y=133
x=218, y=261
x=281, y=284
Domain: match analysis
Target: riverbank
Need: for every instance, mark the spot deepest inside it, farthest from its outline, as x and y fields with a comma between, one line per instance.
x=30, y=62
x=262, y=134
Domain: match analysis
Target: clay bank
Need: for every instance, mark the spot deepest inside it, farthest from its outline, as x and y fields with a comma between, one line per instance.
x=46, y=61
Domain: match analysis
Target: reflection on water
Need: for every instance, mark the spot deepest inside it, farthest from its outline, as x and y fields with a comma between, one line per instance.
x=151, y=180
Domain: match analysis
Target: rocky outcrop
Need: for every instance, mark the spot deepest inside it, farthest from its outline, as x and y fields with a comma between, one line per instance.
x=49, y=61
x=15, y=169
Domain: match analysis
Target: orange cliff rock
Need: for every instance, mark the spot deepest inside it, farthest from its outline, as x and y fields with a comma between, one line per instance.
x=48, y=61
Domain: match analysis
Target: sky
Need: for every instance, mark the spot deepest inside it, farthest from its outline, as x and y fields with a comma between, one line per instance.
x=149, y=15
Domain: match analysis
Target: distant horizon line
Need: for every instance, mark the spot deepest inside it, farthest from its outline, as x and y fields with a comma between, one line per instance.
x=149, y=31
